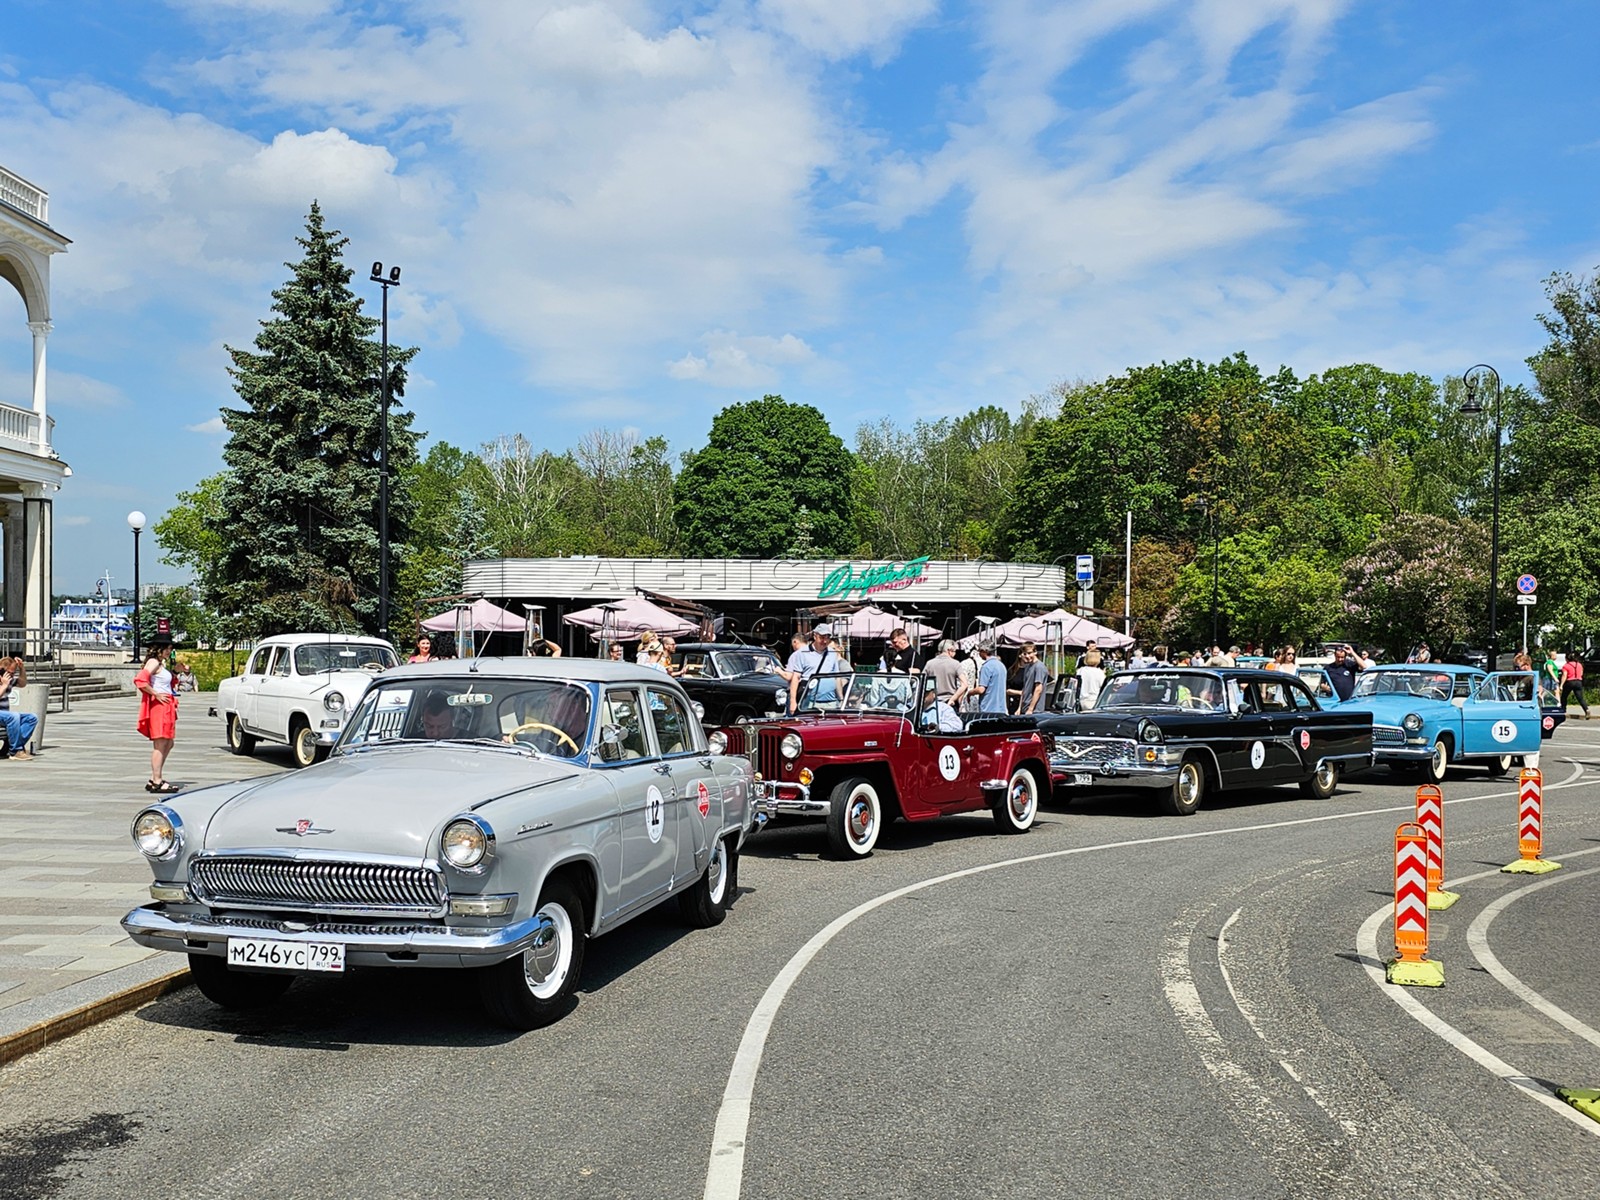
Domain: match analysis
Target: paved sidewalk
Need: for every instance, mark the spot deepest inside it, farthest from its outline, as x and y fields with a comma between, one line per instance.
x=70, y=871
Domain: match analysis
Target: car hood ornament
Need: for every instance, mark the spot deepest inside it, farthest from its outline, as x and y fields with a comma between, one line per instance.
x=303, y=828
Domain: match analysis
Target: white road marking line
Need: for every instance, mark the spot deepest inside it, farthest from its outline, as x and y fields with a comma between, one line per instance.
x=1273, y=1127
x=1367, y=948
x=1478, y=943
x=1249, y=1016
x=725, y=1174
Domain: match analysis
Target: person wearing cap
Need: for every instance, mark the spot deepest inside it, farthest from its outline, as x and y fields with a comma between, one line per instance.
x=816, y=659
x=158, y=710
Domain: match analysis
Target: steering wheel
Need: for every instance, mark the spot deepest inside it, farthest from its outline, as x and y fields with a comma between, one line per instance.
x=1195, y=702
x=1435, y=692
x=533, y=726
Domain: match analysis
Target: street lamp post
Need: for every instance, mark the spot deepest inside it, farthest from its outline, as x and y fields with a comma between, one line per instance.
x=1209, y=510
x=385, y=282
x=1472, y=380
x=135, y=523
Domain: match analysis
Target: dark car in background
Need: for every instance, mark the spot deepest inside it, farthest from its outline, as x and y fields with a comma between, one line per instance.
x=1180, y=733
x=732, y=683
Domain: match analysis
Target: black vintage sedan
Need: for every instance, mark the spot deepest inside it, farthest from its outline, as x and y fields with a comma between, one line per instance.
x=1182, y=732
x=732, y=683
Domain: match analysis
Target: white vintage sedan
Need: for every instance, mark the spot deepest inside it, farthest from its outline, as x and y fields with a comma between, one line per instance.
x=298, y=689
x=491, y=814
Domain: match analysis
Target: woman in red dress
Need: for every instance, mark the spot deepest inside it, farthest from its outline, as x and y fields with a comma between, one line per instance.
x=158, y=710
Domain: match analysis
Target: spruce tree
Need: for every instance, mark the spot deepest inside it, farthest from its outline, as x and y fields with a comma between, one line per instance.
x=299, y=508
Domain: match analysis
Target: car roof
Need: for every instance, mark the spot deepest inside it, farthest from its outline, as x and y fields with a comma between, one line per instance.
x=723, y=646
x=1432, y=668
x=573, y=670
x=321, y=639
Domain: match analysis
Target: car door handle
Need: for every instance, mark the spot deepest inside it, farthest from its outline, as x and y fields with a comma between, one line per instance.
x=662, y=769
x=966, y=749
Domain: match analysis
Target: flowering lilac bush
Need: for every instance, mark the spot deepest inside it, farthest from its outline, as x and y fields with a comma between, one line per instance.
x=1423, y=578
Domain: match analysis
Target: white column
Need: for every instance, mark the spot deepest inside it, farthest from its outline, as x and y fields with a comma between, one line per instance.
x=41, y=331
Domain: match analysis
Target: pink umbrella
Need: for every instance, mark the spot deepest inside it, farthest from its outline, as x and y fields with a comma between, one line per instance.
x=480, y=616
x=1057, y=627
x=873, y=622
x=625, y=619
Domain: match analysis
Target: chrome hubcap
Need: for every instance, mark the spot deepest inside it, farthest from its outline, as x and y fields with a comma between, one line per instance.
x=545, y=962
x=1022, y=797
x=1189, y=785
x=860, y=822
x=716, y=873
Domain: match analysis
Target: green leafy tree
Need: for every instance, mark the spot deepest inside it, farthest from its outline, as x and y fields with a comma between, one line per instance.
x=765, y=461
x=298, y=512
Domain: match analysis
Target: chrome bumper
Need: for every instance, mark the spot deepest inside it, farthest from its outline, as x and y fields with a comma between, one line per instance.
x=386, y=945
x=1158, y=775
x=770, y=797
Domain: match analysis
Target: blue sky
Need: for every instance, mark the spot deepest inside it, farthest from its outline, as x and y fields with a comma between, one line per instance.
x=631, y=214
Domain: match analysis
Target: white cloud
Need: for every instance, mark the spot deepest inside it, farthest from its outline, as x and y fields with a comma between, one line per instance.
x=214, y=425
x=733, y=361
x=841, y=30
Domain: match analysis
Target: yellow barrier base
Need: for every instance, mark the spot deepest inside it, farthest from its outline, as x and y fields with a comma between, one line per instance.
x=1441, y=900
x=1426, y=973
x=1531, y=866
x=1585, y=1100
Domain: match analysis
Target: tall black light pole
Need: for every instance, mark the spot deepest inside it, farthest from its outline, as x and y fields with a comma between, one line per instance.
x=1209, y=510
x=135, y=523
x=1475, y=378
x=385, y=282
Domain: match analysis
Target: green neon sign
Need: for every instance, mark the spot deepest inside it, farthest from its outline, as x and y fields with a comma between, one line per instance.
x=880, y=577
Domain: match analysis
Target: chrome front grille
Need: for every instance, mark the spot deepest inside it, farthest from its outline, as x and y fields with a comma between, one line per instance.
x=254, y=881
x=1078, y=754
x=1388, y=735
x=769, y=758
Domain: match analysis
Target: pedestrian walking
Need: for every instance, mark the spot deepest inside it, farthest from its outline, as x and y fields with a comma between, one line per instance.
x=1572, y=683
x=1034, y=679
x=15, y=727
x=158, y=711
x=1549, y=680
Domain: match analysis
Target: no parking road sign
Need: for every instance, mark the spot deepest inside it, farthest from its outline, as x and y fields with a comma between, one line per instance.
x=1527, y=585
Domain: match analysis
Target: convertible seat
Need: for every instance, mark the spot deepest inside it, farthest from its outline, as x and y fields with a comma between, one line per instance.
x=1002, y=723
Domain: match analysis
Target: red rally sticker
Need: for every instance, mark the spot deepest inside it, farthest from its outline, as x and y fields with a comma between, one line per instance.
x=705, y=798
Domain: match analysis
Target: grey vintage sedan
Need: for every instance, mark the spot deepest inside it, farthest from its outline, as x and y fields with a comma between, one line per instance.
x=492, y=814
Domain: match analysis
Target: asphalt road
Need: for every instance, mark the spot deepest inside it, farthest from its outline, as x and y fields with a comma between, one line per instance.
x=1117, y=1004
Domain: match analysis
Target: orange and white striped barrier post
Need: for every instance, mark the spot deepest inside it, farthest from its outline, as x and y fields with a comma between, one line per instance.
x=1430, y=815
x=1530, y=826
x=1412, y=967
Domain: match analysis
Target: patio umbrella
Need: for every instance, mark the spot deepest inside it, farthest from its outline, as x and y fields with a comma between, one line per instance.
x=480, y=616
x=871, y=622
x=1057, y=627
x=625, y=619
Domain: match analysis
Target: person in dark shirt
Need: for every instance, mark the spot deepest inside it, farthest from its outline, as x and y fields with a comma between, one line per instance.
x=899, y=657
x=1342, y=671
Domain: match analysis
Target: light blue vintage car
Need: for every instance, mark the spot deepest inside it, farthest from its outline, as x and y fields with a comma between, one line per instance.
x=491, y=814
x=1428, y=716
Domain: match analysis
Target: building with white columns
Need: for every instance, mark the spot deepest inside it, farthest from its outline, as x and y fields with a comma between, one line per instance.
x=30, y=470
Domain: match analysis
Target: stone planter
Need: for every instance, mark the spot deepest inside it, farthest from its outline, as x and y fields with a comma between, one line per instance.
x=34, y=698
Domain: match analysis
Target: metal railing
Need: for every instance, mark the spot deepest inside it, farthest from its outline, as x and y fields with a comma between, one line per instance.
x=32, y=645
x=24, y=196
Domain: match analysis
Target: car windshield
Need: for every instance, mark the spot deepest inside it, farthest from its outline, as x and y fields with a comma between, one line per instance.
x=1192, y=690
x=733, y=663
x=341, y=656
x=547, y=715
x=860, y=691
x=1433, y=685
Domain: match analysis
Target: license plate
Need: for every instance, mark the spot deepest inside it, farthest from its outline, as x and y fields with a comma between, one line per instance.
x=1078, y=779
x=285, y=956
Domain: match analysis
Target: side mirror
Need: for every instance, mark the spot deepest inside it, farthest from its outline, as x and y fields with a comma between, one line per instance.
x=611, y=743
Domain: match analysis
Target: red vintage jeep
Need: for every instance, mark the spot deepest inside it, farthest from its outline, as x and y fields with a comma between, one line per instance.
x=867, y=747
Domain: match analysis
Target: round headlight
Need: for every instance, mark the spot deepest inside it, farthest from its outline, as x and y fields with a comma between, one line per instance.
x=1149, y=731
x=699, y=709
x=333, y=701
x=780, y=697
x=466, y=842
x=790, y=746
x=717, y=743
x=1412, y=722
x=156, y=831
